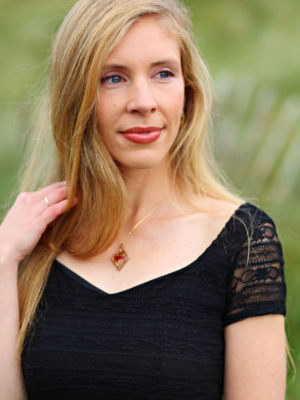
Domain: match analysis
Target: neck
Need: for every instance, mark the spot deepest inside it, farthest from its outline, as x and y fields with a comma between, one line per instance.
x=146, y=188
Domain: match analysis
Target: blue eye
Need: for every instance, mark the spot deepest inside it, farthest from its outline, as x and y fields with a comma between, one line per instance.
x=112, y=79
x=115, y=79
x=165, y=74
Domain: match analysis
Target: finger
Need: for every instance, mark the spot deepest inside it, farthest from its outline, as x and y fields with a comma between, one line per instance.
x=32, y=198
x=55, y=211
x=53, y=186
x=55, y=221
x=54, y=197
x=42, y=192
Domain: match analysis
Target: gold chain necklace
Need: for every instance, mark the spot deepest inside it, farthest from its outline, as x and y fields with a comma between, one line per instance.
x=121, y=257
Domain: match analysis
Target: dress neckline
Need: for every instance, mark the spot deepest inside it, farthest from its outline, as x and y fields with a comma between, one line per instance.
x=90, y=286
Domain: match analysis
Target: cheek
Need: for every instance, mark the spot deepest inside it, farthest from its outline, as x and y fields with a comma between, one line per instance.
x=103, y=124
x=175, y=104
x=177, y=98
x=107, y=115
x=180, y=100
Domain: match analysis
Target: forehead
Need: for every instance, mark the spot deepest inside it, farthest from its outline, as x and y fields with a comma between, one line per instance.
x=147, y=40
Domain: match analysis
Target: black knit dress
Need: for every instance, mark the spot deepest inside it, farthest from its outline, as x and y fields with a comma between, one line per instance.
x=163, y=339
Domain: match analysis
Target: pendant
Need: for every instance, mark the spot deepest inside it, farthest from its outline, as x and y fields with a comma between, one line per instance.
x=120, y=258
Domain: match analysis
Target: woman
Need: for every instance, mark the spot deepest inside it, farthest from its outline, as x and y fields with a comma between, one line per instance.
x=140, y=275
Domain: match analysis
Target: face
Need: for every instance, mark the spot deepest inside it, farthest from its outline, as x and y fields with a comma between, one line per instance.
x=141, y=96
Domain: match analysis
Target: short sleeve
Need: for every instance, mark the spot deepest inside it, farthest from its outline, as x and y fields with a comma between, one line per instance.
x=256, y=285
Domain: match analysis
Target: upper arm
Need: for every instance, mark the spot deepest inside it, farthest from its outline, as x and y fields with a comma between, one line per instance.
x=255, y=359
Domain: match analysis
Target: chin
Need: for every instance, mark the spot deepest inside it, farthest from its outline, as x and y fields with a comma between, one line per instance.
x=141, y=163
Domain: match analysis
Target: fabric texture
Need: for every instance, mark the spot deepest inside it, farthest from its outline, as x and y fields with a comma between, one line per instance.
x=163, y=339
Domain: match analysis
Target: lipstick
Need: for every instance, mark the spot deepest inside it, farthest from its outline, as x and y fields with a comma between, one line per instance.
x=142, y=135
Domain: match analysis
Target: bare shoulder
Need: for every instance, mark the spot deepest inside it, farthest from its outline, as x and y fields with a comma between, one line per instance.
x=220, y=209
x=218, y=212
x=208, y=218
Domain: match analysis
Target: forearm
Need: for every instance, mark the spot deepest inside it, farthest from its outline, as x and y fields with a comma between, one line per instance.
x=11, y=382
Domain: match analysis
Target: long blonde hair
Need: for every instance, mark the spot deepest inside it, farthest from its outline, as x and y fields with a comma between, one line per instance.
x=87, y=36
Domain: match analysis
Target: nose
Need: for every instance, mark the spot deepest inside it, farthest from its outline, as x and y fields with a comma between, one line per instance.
x=142, y=98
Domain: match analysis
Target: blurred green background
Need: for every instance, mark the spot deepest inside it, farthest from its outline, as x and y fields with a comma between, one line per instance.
x=251, y=49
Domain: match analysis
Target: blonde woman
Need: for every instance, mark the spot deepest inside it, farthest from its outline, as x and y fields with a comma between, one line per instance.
x=133, y=272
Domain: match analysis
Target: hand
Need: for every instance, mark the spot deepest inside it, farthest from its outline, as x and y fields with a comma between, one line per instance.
x=29, y=217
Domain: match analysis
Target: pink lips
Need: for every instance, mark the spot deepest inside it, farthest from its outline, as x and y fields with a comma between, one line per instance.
x=142, y=135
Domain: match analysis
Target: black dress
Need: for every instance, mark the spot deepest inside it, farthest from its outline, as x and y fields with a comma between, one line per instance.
x=162, y=339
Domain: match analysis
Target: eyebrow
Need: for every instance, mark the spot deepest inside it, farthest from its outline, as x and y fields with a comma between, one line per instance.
x=154, y=64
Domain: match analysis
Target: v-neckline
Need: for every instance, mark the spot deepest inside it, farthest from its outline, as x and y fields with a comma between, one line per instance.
x=90, y=286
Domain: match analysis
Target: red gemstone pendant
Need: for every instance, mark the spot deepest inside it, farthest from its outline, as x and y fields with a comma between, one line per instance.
x=120, y=258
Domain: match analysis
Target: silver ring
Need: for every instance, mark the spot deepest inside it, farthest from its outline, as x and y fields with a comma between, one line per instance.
x=46, y=200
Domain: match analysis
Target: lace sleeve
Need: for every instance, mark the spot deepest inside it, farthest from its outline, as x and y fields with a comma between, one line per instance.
x=257, y=285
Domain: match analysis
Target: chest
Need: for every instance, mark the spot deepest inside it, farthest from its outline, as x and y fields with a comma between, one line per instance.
x=155, y=249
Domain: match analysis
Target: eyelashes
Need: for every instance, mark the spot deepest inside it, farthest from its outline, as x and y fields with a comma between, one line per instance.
x=115, y=79
x=166, y=72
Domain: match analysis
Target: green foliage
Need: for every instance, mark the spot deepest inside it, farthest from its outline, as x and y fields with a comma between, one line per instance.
x=258, y=37
x=251, y=49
